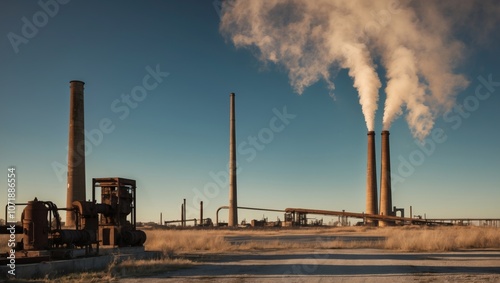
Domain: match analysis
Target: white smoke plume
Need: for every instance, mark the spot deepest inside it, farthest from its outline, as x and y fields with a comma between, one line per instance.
x=413, y=41
x=311, y=39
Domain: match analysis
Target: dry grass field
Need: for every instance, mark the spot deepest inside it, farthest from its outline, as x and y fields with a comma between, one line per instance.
x=407, y=239
x=441, y=239
x=179, y=245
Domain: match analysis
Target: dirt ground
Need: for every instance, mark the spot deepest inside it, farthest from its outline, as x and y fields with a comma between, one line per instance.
x=339, y=265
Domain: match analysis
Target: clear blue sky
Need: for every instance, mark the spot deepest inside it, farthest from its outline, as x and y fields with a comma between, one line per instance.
x=176, y=138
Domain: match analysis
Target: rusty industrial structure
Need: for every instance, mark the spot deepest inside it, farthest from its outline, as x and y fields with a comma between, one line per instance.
x=110, y=223
x=76, y=149
x=118, y=219
x=233, y=199
x=371, y=176
x=203, y=222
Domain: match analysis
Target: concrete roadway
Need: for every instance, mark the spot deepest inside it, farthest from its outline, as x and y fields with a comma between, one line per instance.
x=335, y=265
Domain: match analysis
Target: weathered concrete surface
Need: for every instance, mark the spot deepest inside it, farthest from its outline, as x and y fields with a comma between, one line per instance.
x=345, y=265
x=40, y=270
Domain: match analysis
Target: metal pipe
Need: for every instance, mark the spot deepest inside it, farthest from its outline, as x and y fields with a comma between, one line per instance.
x=359, y=215
x=233, y=203
x=262, y=209
x=134, y=238
x=77, y=237
x=180, y=221
x=76, y=150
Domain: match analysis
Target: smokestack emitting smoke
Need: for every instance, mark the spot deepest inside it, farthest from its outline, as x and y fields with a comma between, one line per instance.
x=314, y=39
x=233, y=203
x=385, y=179
x=76, y=149
x=371, y=177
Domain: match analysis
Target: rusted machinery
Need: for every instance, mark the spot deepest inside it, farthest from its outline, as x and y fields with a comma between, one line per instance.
x=41, y=229
x=35, y=224
x=118, y=199
x=109, y=223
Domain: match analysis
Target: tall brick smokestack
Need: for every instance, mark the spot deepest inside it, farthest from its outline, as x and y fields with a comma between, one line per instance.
x=76, y=150
x=233, y=203
x=385, y=180
x=371, y=177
